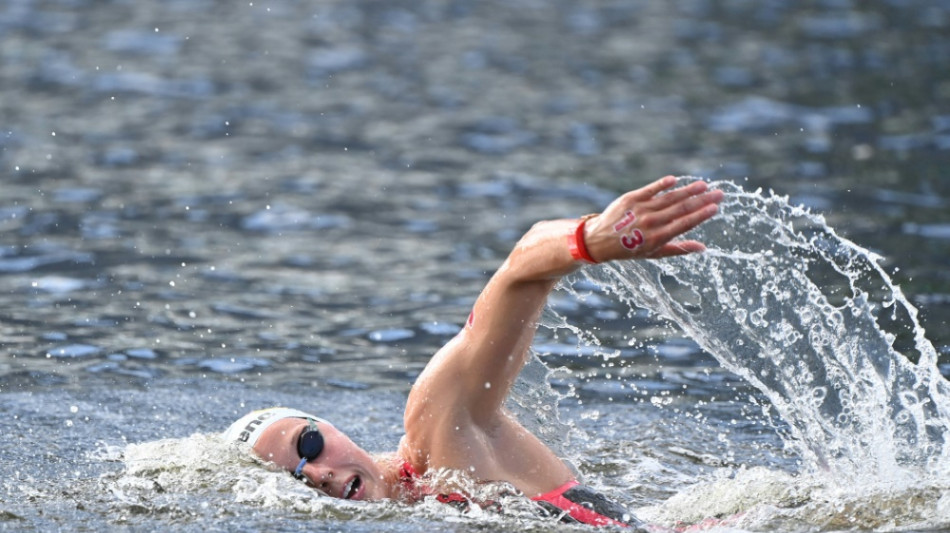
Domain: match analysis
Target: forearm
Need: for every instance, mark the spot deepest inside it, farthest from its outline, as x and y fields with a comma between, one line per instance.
x=543, y=253
x=641, y=224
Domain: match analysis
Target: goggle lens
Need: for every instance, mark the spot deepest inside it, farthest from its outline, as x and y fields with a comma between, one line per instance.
x=309, y=446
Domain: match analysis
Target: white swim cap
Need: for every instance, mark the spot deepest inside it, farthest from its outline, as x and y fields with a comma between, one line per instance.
x=250, y=426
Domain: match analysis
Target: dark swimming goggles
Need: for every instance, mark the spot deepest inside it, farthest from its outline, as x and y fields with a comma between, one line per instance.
x=309, y=446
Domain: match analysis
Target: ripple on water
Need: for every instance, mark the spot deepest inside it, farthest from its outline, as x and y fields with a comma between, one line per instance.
x=142, y=353
x=496, y=136
x=282, y=217
x=752, y=113
x=574, y=351
x=232, y=365
x=80, y=195
x=134, y=371
x=73, y=351
x=755, y=113
x=440, y=328
x=149, y=84
x=58, y=284
x=844, y=25
x=930, y=231
x=346, y=384
x=391, y=335
x=241, y=311
x=679, y=352
x=26, y=263
x=422, y=226
x=904, y=143
x=142, y=42
x=337, y=59
x=118, y=156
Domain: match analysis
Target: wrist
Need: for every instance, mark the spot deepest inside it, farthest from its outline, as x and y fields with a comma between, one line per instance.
x=577, y=243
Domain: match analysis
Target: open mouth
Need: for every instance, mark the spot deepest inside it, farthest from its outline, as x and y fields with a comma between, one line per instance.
x=352, y=488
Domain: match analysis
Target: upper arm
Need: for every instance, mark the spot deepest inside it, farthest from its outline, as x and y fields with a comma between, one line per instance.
x=475, y=371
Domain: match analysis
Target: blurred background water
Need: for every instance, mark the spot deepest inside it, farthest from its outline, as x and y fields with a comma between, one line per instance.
x=209, y=206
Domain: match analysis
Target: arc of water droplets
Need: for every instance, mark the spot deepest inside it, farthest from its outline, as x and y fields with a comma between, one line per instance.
x=810, y=319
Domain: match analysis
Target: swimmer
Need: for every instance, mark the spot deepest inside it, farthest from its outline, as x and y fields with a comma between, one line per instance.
x=455, y=417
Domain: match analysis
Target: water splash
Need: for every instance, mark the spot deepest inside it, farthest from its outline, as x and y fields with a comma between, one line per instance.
x=197, y=477
x=813, y=321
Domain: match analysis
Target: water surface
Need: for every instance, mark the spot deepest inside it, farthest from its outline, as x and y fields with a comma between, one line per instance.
x=210, y=207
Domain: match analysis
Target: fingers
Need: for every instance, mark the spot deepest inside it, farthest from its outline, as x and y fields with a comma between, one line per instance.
x=671, y=249
x=677, y=204
x=667, y=216
x=645, y=222
x=678, y=195
x=685, y=206
x=649, y=191
x=684, y=222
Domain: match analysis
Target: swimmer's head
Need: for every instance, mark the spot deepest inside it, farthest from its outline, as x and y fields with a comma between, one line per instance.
x=251, y=426
x=311, y=449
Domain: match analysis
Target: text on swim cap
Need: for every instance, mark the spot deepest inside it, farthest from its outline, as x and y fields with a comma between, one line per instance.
x=252, y=425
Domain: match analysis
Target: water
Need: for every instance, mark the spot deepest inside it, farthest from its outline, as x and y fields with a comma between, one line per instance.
x=809, y=319
x=209, y=207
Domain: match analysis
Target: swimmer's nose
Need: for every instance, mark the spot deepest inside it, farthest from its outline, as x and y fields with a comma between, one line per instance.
x=320, y=476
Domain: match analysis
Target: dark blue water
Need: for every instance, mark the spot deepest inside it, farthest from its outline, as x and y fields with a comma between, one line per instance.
x=209, y=207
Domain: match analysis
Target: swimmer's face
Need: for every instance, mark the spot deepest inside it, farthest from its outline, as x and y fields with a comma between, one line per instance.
x=342, y=470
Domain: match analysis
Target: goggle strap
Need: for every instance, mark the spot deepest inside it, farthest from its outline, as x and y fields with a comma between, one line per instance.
x=298, y=473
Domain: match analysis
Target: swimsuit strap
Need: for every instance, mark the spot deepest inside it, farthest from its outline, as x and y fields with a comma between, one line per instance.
x=576, y=502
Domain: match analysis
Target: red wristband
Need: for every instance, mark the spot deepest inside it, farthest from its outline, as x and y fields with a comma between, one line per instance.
x=576, y=245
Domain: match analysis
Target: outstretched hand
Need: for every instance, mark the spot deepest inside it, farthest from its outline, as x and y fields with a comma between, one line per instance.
x=644, y=223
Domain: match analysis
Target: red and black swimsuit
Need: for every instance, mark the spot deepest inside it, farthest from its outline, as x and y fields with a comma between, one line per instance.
x=578, y=503
x=572, y=502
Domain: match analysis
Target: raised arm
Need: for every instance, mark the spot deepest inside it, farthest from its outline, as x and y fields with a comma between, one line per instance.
x=463, y=388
